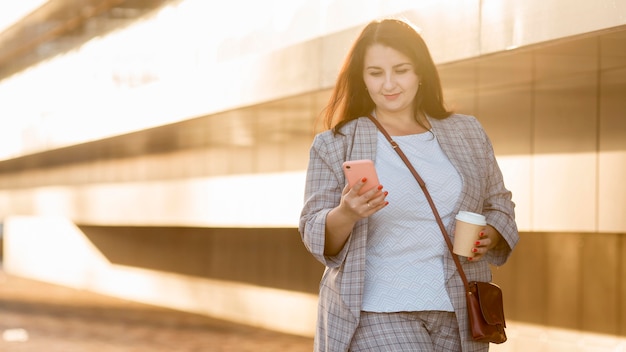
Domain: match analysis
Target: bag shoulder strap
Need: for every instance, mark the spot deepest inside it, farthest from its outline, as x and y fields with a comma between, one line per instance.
x=422, y=185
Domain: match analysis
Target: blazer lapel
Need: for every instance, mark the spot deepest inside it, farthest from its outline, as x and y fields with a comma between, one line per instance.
x=364, y=140
x=362, y=146
x=459, y=152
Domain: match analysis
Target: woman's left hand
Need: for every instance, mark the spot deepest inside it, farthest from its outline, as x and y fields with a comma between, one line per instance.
x=489, y=238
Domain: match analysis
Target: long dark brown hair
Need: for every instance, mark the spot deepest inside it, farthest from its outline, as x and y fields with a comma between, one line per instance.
x=350, y=99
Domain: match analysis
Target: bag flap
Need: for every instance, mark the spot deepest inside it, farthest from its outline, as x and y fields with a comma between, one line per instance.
x=491, y=303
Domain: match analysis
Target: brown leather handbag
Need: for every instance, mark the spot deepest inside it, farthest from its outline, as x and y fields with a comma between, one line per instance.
x=485, y=306
x=486, y=312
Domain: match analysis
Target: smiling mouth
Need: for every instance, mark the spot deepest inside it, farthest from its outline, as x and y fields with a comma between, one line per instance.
x=391, y=96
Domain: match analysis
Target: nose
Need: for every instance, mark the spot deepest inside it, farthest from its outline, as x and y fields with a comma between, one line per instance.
x=390, y=82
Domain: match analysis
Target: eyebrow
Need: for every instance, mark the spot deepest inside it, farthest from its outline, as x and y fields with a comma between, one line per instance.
x=394, y=66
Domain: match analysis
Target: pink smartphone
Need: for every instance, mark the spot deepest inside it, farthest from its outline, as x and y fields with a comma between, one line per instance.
x=355, y=170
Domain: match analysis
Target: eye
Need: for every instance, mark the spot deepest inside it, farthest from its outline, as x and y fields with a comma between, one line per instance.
x=375, y=73
x=404, y=69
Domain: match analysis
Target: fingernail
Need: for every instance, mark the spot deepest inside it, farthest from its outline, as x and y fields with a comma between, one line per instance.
x=386, y=193
x=364, y=179
x=386, y=203
x=482, y=234
x=380, y=187
x=470, y=258
x=474, y=250
x=477, y=243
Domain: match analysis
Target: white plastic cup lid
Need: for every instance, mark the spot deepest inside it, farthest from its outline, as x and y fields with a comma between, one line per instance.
x=472, y=218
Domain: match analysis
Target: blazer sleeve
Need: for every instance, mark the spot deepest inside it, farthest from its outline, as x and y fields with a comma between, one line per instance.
x=324, y=184
x=498, y=207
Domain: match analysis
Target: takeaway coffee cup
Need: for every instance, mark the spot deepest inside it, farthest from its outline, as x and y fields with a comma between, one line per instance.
x=468, y=227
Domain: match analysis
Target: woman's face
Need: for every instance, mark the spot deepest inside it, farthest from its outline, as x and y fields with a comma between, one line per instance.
x=390, y=79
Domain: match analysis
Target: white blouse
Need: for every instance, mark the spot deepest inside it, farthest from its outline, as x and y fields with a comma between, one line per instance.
x=405, y=247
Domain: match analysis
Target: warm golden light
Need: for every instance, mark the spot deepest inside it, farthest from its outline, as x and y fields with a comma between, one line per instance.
x=12, y=11
x=221, y=95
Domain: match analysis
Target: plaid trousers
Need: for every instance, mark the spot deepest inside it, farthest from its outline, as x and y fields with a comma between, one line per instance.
x=426, y=331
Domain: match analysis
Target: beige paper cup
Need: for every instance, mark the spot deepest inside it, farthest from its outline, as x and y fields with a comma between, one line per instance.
x=468, y=227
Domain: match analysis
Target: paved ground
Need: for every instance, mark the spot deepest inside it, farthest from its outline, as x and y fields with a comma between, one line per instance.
x=39, y=317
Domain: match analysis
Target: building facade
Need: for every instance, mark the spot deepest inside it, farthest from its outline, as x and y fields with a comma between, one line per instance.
x=163, y=159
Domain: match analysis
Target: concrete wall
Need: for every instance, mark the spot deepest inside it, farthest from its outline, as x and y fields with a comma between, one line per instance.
x=214, y=57
x=260, y=277
x=555, y=115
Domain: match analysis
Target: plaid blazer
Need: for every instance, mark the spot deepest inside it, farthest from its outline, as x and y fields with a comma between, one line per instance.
x=466, y=144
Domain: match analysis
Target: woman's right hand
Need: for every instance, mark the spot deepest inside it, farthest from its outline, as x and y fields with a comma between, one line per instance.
x=364, y=205
x=352, y=208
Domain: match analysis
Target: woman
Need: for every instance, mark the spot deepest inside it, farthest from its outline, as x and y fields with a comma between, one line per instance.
x=390, y=283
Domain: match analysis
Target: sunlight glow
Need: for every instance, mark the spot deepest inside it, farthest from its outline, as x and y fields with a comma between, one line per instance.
x=232, y=201
x=209, y=57
x=12, y=11
x=126, y=81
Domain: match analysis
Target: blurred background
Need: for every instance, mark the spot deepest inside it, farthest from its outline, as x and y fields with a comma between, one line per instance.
x=155, y=150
